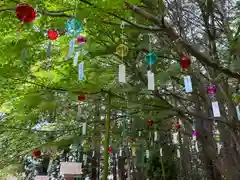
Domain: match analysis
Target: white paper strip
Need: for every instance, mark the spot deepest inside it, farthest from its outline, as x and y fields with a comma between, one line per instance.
x=219, y=147
x=93, y=153
x=194, y=138
x=178, y=153
x=196, y=146
x=120, y=152
x=175, y=138
x=84, y=128
x=150, y=77
x=122, y=73
x=133, y=151
x=50, y=165
x=188, y=84
x=79, y=112
x=238, y=112
x=155, y=136
x=71, y=48
x=161, y=153
x=147, y=154
x=36, y=29
x=75, y=60
x=81, y=71
x=49, y=47
x=85, y=159
x=216, y=111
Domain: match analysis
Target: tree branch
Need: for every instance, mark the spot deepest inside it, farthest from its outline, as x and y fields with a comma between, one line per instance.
x=181, y=43
x=138, y=26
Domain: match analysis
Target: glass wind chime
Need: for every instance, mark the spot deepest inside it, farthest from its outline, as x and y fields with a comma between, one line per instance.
x=52, y=36
x=73, y=28
x=185, y=63
x=26, y=14
x=211, y=90
x=150, y=59
x=178, y=125
x=81, y=99
x=195, y=134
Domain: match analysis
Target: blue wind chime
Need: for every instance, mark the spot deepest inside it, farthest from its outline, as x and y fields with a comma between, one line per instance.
x=74, y=28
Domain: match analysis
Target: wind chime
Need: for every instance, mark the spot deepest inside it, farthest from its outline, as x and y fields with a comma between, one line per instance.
x=185, y=63
x=236, y=99
x=81, y=99
x=36, y=153
x=73, y=28
x=122, y=51
x=211, y=90
x=195, y=134
x=26, y=14
x=150, y=59
x=80, y=42
x=52, y=36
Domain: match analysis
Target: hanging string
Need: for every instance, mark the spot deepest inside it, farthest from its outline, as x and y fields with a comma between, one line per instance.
x=150, y=48
x=122, y=41
x=76, y=6
x=122, y=51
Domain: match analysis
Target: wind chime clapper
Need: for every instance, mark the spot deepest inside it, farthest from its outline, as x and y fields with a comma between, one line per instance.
x=122, y=51
x=185, y=63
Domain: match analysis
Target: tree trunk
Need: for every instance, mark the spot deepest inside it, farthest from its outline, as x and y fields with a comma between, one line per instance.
x=121, y=169
x=94, y=168
x=114, y=167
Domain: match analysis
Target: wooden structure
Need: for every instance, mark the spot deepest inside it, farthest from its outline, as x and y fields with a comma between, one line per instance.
x=12, y=178
x=41, y=178
x=70, y=170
